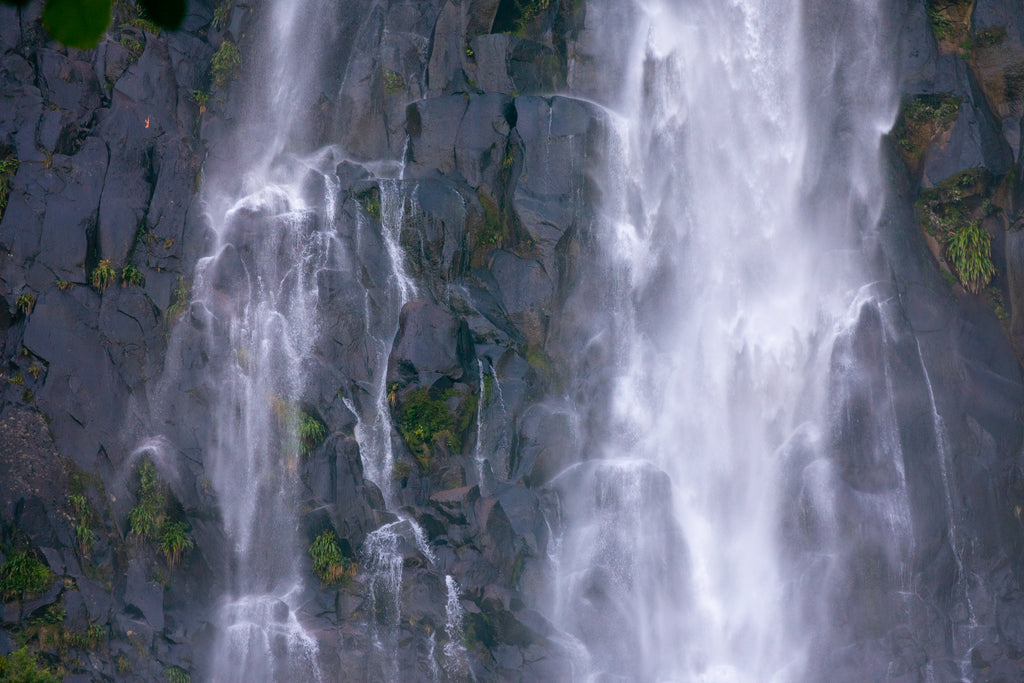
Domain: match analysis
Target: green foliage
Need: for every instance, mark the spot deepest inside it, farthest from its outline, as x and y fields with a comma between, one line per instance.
x=132, y=44
x=65, y=285
x=179, y=301
x=84, y=536
x=21, y=667
x=8, y=167
x=370, y=202
x=122, y=664
x=312, y=433
x=103, y=275
x=393, y=83
x=201, y=98
x=174, y=540
x=25, y=303
x=226, y=64
x=89, y=640
x=22, y=574
x=423, y=420
x=130, y=275
x=175, y=674
x=146, y=519
x=970, y=254
x=330, y=566
x=220, y=15
x=922, y=118
x=528, y=11
x=77, y=23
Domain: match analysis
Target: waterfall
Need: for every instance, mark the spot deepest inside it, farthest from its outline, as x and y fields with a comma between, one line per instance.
x=738, y=232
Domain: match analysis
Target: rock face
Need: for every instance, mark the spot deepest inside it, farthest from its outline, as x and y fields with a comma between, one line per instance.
x=491, y=217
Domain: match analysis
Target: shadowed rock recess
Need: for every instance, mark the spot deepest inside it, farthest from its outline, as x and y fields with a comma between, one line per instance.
x=418, y=239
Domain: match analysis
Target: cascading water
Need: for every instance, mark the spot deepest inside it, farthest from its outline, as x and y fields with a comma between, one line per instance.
x=740, y=230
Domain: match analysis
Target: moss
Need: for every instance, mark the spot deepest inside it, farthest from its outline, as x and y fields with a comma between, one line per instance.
x=393, y=83
x=175, y=674
x=424, y=420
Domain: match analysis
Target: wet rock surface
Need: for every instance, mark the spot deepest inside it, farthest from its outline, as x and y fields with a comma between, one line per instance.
x=492, y=213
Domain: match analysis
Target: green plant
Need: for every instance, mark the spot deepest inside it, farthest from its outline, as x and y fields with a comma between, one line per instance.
x=36, y=370
x=175, y=674
x=220, y=14
x=123, y=665
x=921, y=119
x=22, y=574
x=179, y=301
x=21, y=667
x=330, y=566
x=25, y=303
x=8, y=167
x=103, y=275
x=146, y=519
x=424, y=420
x=65, y=285
x=130, y=275
x=393, y=82
x=312, y=433
x=89, y=640
x=226, y=64
x=970, y=254
x=527, y=13
x=84, y=537
x=371, y=204
x=132, y=44
x=202, y=98
x=174, y=540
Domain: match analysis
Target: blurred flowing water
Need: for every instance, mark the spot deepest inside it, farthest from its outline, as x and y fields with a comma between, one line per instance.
x=749, y=348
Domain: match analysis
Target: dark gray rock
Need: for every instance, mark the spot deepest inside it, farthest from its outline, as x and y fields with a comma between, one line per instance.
x=144, y=597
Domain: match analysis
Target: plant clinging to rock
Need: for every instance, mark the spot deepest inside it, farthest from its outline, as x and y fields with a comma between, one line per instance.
x=970, y=254
x=226, y=64
x=103, y=275
x=312, y=433
x=174, y=540
x=22, y=574
x=330, y=566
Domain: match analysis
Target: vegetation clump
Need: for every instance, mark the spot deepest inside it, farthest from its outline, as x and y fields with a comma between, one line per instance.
x=175, y=674
x=25, y=303
x=130, y=275
x=149, y=519
x=970, y=253
x=424, y=420
x=22, y=575
x=226, y=64
x=312, y=433
x=921, y=120
x=329, y=564
x=179, y=301
x=8, y=167
x=83, y=514
x=393, y=83
x=21, y=666
x=103, y=275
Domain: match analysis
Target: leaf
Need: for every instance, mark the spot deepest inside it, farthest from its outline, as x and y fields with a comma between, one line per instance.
x=166, y=14
x=77, y=23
